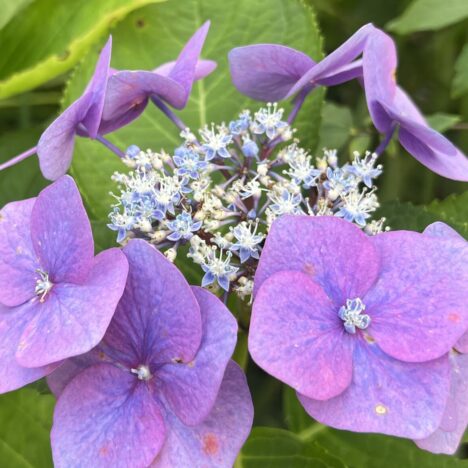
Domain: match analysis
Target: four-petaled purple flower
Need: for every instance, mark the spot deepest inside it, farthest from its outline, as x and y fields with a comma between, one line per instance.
x=160, y=389
x=391, y=109
x=57, y=299
x=128, y=92
x=360, y=326
x=82, y=117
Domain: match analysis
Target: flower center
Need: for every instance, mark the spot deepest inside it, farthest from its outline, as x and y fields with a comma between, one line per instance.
x=43, y=285
x=142, y=372
x=352, y=315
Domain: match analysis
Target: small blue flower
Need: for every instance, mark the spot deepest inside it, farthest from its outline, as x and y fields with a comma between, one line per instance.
x=215, y=144
x=132, y=151
x=217, y=269
x=268, y=120
x=248, y=241
x=122, y=223
x=237, y=127
x=340, y=180
x=188, y=163
x=182, y=227
x=286, y=203
x=364, y=168
x=249, y=148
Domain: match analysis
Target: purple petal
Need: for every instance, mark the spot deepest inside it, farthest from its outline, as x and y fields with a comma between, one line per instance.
x=343, y=74
x=379, y=68
x=18, y=262
x=334, y=253
x=61, y=232
x=443, y=231
x=128, y=92
x=387, y=396
x=55, y=147
x=12, y=324
x=97, y=89
x=447, y=437
x=418, y=306
x=106, y=417
x=340, y=57
x=183, y=71
x=191, y=388
x=217, y=441
x=296, y=336
x=202, y=68
x=73, y=318
x=158, y=318
x=267, y=72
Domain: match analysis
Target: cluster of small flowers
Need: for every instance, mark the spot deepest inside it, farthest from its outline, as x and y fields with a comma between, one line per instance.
x=220, y=192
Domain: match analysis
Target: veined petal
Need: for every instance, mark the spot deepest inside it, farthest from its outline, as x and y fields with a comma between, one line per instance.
x=106, y=417
x=73, y=318
x=333, y=252
x=61, y=233
x=18, y=261
x=12, y=324
x=218, y=439
x=297, y=336
x=267, y=71
x=387, y=396
x=191, y=388
x=418, y=306
x=202, y=68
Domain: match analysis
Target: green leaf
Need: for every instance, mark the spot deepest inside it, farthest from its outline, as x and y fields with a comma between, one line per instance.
x=460, y=80
x=453, y=210
x=381, y=451
x=26, y=419
x=442, y=122
x=405, y=216
x=11, y=8
x=269, y=447
x=23, y=180
x=337, y=124
x=156, y=34
x=295, y=416
x=50, y=36
x=429, y=15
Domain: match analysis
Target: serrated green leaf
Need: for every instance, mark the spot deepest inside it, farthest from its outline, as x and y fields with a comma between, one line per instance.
x=460, y=80
x=429, y=15
x=50, y=36
x=453, y=210
x=405, y=216
x=156, y=34
x=380, y=451
x=26, y=419
x=269, y=447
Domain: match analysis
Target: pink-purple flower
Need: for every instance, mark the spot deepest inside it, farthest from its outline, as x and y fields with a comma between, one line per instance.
x=82, y=117
x=129, y=92
x=360, y=326
x=57, y=299
x=160, y=388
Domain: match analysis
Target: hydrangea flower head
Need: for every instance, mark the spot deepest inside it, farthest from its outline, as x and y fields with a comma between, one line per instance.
x=360, y=325
x=129, y=92
x=82, y=117
x=391, y=108
x=58, y=299
x=159, y=389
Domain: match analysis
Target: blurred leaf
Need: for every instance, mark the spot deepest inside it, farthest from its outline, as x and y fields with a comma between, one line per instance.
x=104, y=238
x=460, y=80
x=50, y=36
x=381, y=451
x=454, y=211
x=337, y=124
x=405, y=216
x=10, y=8
x=276, y=448
x=155, y=35
x=23, y=180
x=429, y=15
x=26, y=419
x=295, y=416
x=442, y=122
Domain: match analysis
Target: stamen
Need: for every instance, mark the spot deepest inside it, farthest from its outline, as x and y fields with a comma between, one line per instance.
x=352, y=316
x=142, y=372
x=43, y=285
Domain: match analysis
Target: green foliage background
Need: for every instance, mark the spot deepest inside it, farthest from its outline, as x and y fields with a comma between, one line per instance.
x=48, y=49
